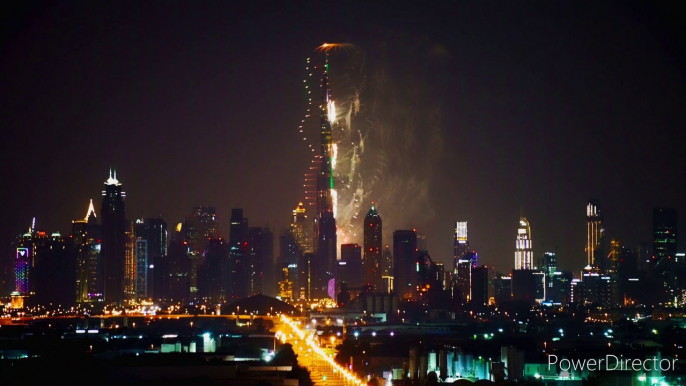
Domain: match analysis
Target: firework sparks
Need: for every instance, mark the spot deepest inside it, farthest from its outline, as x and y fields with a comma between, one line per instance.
x=330, y=46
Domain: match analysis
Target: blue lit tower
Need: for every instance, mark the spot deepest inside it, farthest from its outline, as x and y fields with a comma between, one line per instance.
x=325, y=223
x=113, y=240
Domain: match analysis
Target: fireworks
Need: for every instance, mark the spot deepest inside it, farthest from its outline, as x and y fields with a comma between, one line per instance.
x=386, y=136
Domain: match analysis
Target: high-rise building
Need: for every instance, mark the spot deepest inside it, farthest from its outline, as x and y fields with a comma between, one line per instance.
x=479, y=287
x=24, y=259
x=372, y=249
x=664, y=234
x=45, y=269
x=260, y=250
x=323, y=269
x=404, y=262
x=550, y=261
x=235, y=275
x=524, y=246
x=178, y=276
x=325, y=222
x=113, y=240
x=463, y=278
x=503, y=288
x=560, y=290
x=211, y=273
x=198, y=229
x=387, y=276
x=350, y=267
x=141, y=257
x=87, y=242
x=595, y=235
x=158, y=263
x=461, y=243
x=130, y=262
x=55, y=272
x=151, y=261
x=300, y=228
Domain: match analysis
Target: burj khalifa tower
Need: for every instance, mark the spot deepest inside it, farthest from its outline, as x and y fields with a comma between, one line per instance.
x=323, y=269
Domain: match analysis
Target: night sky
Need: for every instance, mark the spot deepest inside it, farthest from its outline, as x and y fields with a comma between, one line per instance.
x=536, y=106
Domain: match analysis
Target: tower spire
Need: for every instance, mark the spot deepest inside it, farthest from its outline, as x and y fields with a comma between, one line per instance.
x=91, y=209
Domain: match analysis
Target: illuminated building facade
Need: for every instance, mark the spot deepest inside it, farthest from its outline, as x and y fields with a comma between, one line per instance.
x=595, y=235
x=387, y=275
x=130, y=267
x=325, y=223
x=22, y=265
x=404, y=263
x=87, y=240
x=372, y=249
x=461, y=243
x=113, y=240
x=664, y=234
x=141, y=256
x=300, y=228
x=463, y=278
x=524, y=246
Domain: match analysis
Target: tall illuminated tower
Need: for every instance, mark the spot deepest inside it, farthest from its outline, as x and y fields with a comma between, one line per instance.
x=595, y=235
x=300, y=229
x=461, y=243
x=524, y=247
x=325, y=222
x=87, y=240
x=113, y=239
x=372, y=249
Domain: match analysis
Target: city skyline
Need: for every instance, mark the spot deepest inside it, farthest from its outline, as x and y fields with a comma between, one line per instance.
x=192, y=120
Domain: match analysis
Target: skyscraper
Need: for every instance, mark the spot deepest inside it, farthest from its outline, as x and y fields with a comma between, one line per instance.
x=350, y=267
x=198, y=229
x=113, y=240
x=461, y=243
x=157, y=257
x=130, y=267
x=404, y=263
x=55, y=272
x=664, y=234
x=235, y=278
x=211, y=273
x=325, y=222
x=595, y=235
x=479, y=287
x=523, y=247
x=260, y=258
x=372, y=249
x=462, y=282
x=300, y=228
x=141, y=257
x=87, y=241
